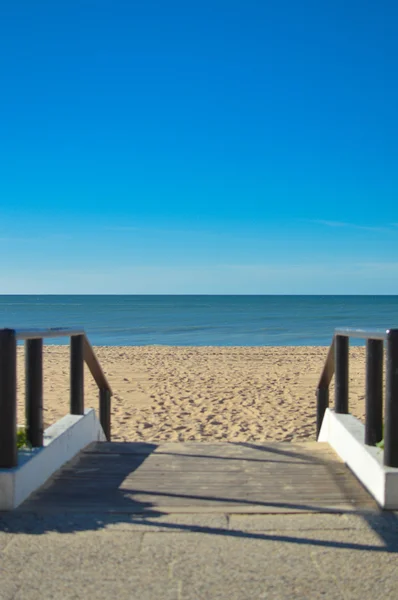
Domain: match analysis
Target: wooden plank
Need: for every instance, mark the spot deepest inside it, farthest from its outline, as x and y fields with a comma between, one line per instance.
x=138, y=478
x=94, y=366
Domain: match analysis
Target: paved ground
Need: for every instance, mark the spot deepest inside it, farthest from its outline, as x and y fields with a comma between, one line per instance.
x=192, y=557
x=319, y=534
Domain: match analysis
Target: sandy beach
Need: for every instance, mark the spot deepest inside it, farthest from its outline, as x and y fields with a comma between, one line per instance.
x=250, y=394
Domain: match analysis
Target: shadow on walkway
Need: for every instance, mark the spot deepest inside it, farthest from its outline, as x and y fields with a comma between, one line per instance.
x=130, y=484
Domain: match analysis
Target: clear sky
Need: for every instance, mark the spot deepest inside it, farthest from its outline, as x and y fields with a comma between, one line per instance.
x=201, y=146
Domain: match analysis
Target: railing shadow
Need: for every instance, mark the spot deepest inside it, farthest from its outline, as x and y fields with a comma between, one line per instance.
x=131, y=509
x=385, y=526
x=278, y=451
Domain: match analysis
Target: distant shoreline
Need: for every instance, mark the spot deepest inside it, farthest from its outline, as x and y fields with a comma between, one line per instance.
x=202, y=321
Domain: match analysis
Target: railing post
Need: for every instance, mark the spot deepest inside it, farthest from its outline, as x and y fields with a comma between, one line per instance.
x=374, y=392
x=105, y=412
x=8, y=399
x=322, y=396
x=77, y=374
x=341, y=374
x=34, y=391
x=391, y=408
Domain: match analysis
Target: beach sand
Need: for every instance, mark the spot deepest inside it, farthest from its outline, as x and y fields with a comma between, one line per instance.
x=201, y=393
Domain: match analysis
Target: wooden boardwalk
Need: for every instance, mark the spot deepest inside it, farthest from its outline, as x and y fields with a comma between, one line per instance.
x=142, y=478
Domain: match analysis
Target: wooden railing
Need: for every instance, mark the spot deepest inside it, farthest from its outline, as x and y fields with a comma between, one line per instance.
x=337, y=364
x=81, y=352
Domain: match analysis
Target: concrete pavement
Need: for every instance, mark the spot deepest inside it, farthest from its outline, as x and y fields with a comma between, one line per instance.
x=195, y=557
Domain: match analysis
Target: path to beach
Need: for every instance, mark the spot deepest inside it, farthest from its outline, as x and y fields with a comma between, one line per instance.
x=199, y=557
x=203, y=393
x=244, y=522
x=129, y=547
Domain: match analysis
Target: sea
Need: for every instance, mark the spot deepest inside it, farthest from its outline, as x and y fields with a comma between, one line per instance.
x=201, y=320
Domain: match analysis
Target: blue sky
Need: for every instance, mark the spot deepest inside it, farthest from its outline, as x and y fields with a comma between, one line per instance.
x=199, y=147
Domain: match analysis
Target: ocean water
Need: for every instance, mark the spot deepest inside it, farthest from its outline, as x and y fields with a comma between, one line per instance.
x=201, y=320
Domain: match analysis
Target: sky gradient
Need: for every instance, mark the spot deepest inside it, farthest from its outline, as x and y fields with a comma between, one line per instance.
x=199, y=147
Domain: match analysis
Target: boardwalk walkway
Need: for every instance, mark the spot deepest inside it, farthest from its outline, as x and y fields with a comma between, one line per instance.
x=200, y=522
x=192, y=477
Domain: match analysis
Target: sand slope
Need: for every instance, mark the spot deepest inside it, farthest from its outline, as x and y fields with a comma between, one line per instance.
x=208, y=393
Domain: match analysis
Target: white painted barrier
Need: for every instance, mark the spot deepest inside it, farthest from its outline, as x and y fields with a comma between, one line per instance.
x=62, y=441
x=346, y=436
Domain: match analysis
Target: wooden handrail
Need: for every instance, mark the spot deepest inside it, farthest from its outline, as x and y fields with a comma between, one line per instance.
x=365, y=334
x=336, y=364
x=91, y=360
x=328, y=369
x=81, y=352
x=52, y=332
x=90, y=357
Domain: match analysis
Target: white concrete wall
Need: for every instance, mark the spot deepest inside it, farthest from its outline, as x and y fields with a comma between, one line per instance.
x=346, y=435
x=62, y=441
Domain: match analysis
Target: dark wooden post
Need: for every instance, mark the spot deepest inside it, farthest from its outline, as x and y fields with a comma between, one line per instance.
x=341, y=374
x=391, y=408
x=322, y=395
x=374, y=392
x=105, y=412
x=8, y=399
x=34, y=391
x=77, y=375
